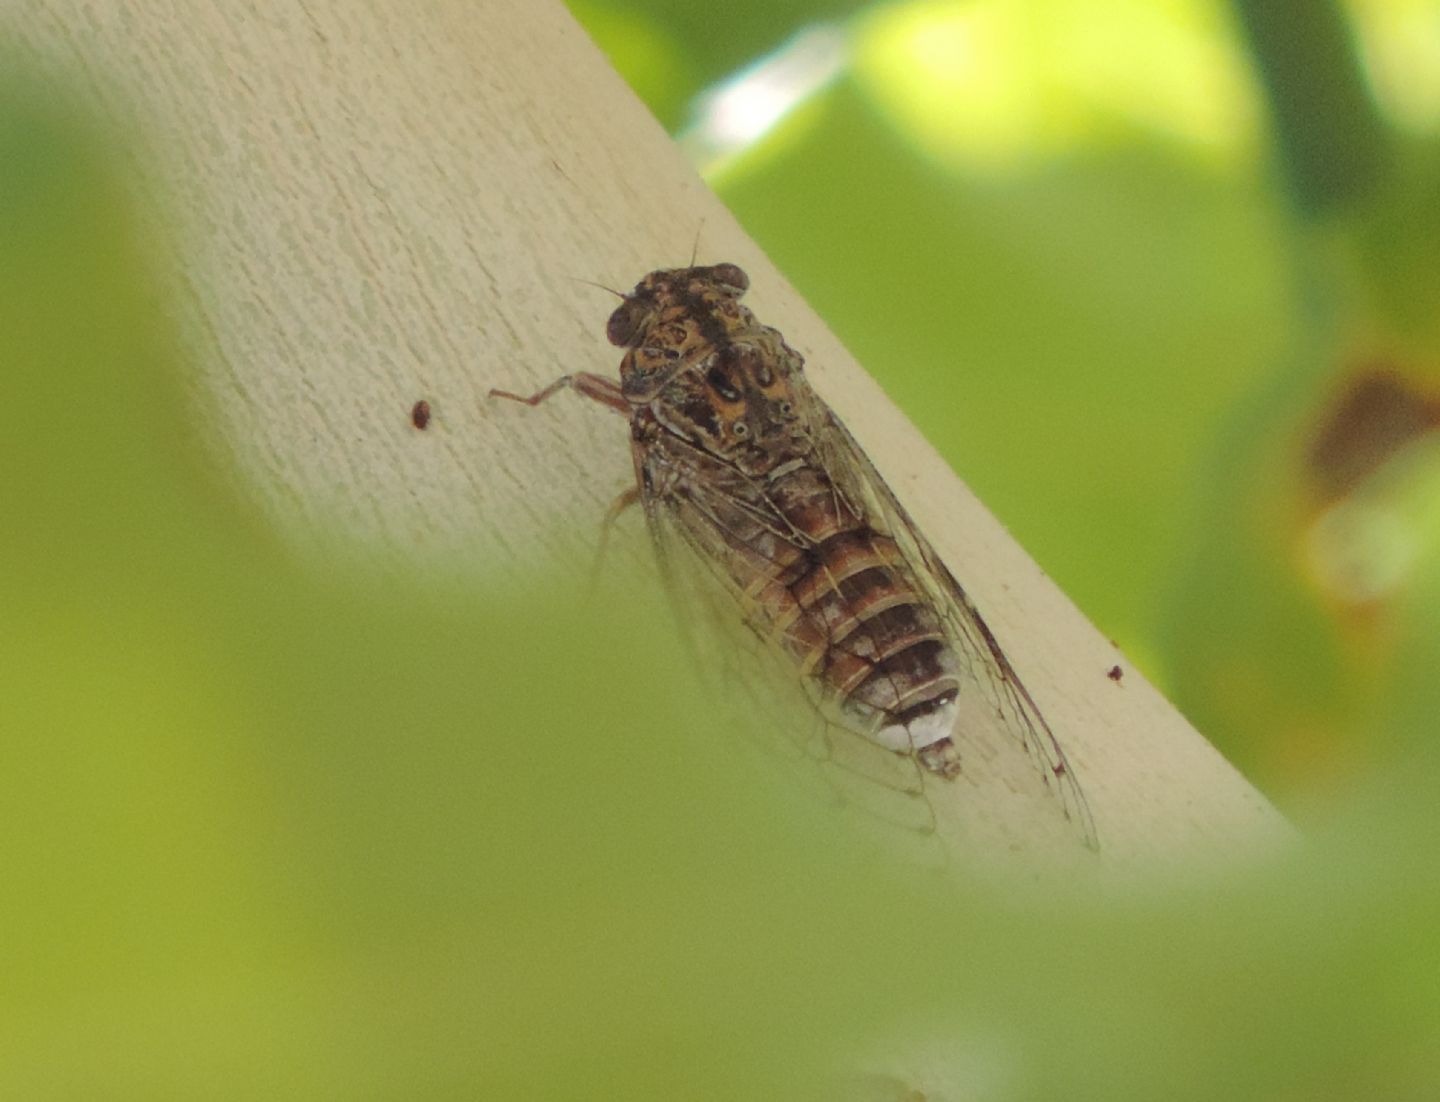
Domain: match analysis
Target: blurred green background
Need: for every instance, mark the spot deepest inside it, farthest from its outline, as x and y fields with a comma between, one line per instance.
x=1158, y=278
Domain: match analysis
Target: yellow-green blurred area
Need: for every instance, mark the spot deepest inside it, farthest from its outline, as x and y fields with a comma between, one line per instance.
x=270, y=835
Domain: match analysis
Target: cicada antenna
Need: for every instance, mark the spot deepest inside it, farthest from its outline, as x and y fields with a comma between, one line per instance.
x=592, y=283
x=695, y=248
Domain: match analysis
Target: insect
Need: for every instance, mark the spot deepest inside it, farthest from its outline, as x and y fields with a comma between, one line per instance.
x=1115, y=674
x=743, y=469
x=420, y=414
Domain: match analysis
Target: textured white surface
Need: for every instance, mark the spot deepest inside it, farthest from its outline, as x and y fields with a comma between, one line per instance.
x=372, y=203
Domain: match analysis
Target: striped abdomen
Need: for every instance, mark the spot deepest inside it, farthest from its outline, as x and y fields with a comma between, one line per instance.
x=839, y=598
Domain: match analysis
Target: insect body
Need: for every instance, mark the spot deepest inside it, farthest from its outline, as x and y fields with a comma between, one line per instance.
x=743, y=468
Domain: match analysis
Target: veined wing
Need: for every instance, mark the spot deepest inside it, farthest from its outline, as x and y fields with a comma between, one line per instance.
x=691, y=505
x=986, y=673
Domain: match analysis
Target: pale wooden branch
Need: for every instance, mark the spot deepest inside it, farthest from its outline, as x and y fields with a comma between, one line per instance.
x=380, y=201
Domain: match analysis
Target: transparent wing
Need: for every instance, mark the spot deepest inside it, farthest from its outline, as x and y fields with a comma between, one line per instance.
x=991, y=690
x=685, y=502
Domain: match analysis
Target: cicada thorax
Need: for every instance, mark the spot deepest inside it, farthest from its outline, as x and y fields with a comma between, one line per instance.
x=728, y=430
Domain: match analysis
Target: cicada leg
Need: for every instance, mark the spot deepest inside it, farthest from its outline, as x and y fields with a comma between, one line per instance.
x=612, y=514
x=595, y=387
x=608, y=393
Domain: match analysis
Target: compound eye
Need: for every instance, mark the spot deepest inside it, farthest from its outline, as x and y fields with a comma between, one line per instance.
x=625, y=323
x=731, y=279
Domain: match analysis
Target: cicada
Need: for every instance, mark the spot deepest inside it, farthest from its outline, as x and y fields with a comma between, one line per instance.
x=742, y=468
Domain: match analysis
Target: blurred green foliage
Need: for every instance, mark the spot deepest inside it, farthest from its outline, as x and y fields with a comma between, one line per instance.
x=671, y=51
x=267, y=834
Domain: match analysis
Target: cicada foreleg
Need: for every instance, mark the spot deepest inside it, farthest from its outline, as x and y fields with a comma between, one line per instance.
x=595, y=387
x=608, y=393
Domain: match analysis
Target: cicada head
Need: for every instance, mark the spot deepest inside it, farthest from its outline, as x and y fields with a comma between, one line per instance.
x=672, y=320
x=671, y=291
